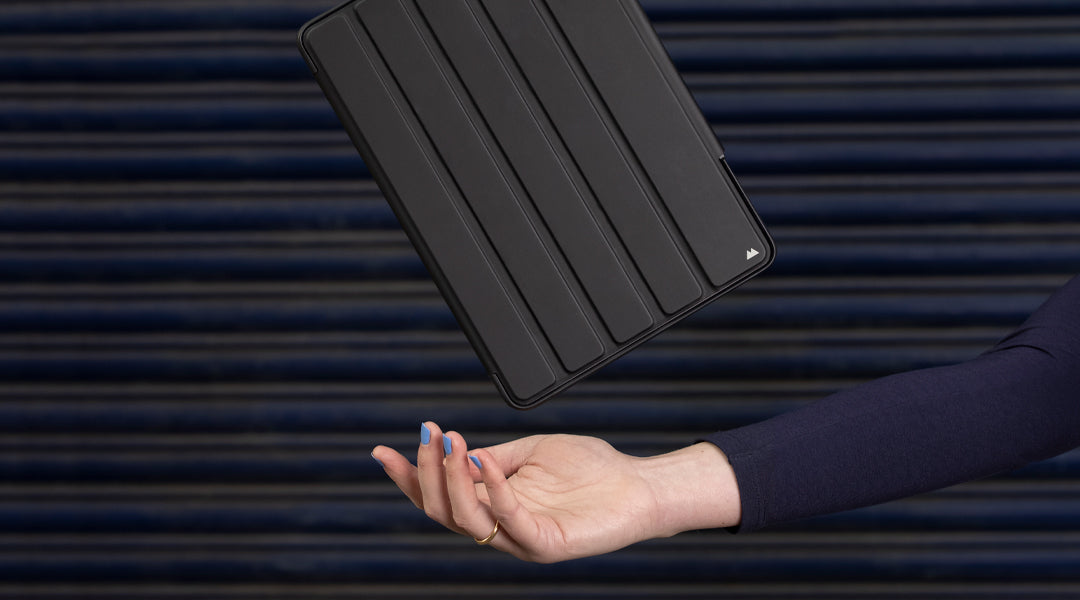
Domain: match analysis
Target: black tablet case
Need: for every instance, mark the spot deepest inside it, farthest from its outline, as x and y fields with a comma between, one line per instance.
x=549, y=165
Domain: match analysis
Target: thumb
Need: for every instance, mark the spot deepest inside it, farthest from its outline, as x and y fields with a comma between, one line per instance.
x=511, y=456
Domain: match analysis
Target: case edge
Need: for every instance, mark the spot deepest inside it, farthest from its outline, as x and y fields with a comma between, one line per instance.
x=398, y=209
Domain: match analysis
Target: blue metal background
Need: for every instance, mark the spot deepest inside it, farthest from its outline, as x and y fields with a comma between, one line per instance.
x=209, y=316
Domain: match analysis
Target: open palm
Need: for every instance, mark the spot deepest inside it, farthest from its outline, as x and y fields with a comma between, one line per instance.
x=556, y=497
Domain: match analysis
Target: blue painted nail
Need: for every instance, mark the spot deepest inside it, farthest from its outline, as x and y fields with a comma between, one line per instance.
x=425, y=434
x=476, y=461
x=447, y=445
x=377, y=460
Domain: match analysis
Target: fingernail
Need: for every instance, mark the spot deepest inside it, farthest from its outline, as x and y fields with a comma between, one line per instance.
x=425, y=434
x=476, y=461
x=447, y=445
x=377, y=460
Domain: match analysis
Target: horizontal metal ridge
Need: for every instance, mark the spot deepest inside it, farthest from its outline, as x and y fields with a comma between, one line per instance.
x=819, y=257
x=853, y=102
x=247, y=57
x=550, y=591
x=831, y=209
x=655, y=563
x=335, y=457
x=131, y=15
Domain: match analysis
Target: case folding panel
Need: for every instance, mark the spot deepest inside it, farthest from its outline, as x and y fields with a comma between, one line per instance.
x=550, y=167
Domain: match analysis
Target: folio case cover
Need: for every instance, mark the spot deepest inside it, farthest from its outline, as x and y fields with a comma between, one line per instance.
x=549, y=165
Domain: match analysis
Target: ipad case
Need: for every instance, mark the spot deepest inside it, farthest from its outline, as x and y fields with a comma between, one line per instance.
x=550, y=167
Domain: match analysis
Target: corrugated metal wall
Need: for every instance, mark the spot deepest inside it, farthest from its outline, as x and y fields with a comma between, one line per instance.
x=208, y=315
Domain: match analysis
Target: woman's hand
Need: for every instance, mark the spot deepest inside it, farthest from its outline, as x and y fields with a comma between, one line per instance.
x=558, y=497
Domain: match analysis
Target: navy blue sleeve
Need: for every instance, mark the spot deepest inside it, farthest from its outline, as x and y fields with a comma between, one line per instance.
x=904, y=434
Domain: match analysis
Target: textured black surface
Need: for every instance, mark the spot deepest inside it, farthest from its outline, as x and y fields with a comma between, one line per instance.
x=209, y=316
x=485, y=125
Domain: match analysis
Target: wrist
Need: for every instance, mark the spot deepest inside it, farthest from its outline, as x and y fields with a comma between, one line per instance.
x=694, y=488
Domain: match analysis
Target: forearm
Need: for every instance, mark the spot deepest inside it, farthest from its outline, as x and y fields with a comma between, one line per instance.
x=918, y=431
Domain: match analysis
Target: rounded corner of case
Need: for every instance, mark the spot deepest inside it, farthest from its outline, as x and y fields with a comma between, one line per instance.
x=770, y=258
x=758, y=269
x=768, y=253
x=511, y=399
x=302, y=42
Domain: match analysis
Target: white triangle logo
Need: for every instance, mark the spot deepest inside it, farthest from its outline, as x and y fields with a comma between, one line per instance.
x=751, y=253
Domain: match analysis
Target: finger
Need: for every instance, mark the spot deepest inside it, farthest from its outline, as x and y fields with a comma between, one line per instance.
x=432, y=476
x=519, y=533
x=401, y=471
x=469, y=513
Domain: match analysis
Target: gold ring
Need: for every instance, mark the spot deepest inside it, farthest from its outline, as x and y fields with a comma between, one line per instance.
x=487, y=540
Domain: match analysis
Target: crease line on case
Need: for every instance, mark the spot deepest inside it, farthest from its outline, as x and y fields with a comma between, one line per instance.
x=635, y=25
x=700, y=135
x=690, y=107
x=700, y=242
x=538, y=121
x=428, y=36
x=671, y=290
x=593, y=95
x=560, y=349
x=409, y=110
x=516, y=176
x=541, y=124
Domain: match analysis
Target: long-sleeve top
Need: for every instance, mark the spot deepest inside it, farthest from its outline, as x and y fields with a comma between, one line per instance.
x=1017, y=403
